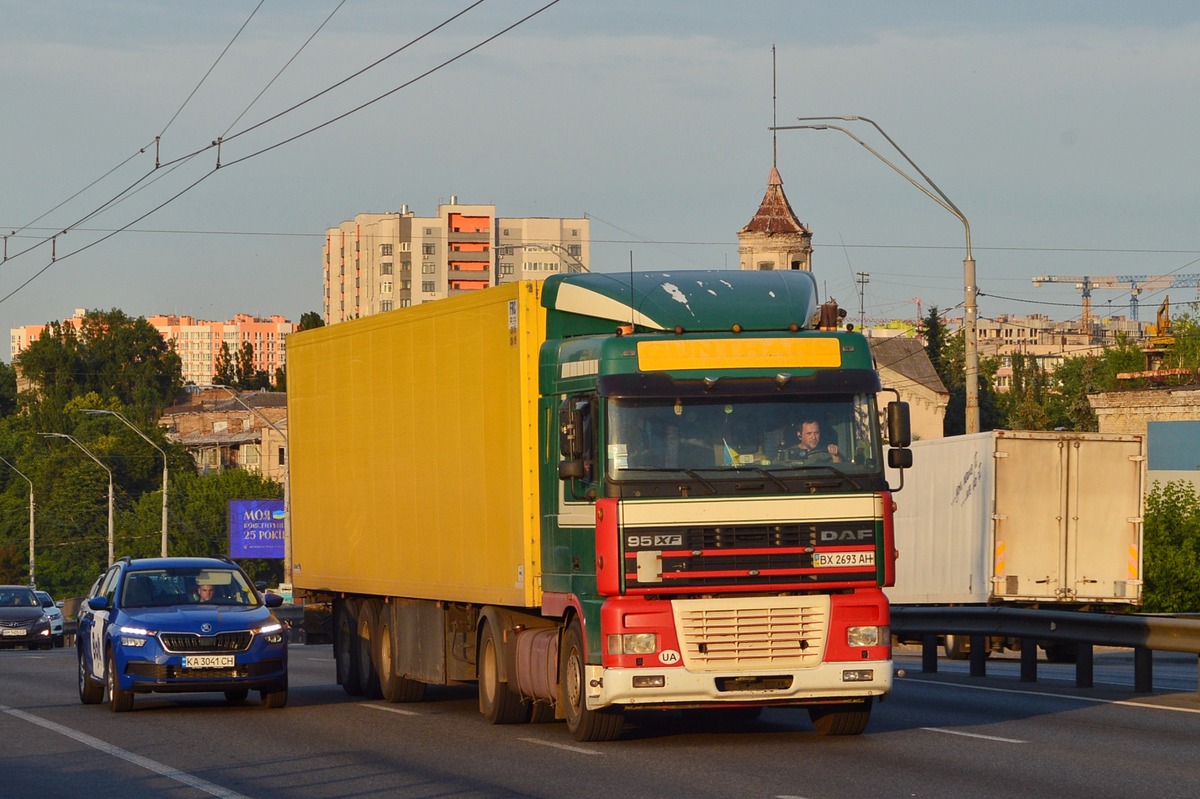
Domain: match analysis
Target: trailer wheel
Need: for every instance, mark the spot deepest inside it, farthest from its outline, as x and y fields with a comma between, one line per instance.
x=497, y=703
x=368, y=633
x=345, y=646
x=394, y=686
x=846, y=719
x=583, y=724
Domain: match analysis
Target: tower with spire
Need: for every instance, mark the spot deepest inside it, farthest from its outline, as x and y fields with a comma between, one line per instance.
x=775, y=238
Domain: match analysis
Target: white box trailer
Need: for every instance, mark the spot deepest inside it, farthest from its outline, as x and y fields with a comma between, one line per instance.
x=1036, y=519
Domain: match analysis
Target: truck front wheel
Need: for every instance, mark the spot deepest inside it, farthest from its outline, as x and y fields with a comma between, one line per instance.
x=583, y=724
x=847, y=719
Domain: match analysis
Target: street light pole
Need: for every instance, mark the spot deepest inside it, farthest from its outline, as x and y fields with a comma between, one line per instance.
x=110, y=486
x=970, y=309
x=32, y=578
x=165, y=475
x=287, y=478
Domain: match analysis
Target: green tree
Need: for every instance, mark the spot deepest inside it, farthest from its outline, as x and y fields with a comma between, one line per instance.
x=1079, y=376
x=8, y=389
x=947, y=352
x=244, y=368
x=111, y=354
x=1171, y=560
x=309, y=320
x=223, y=369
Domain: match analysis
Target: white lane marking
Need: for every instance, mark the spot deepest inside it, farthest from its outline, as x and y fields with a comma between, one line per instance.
x=1094, y=700
x=137, y=760
x=976, y=735
x=395, y=710
x=567, y=747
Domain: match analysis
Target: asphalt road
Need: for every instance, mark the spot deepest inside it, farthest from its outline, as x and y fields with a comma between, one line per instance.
x=943, y=735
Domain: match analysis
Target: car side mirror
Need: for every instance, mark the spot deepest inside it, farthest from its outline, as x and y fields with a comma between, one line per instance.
x=272, y=600
x=98, y=603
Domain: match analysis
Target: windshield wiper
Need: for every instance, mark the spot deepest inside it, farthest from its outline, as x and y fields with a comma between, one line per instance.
x=754, y=467
x=830, y=467
x=689, y=472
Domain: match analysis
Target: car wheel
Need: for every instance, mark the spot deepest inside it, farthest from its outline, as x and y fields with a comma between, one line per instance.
x=119, y=701
x=236, y=696
x=275, y=698
x=90, y=691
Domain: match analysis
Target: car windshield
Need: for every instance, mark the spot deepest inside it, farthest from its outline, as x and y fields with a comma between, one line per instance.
x=46, y=600
x=18, y=598
x=187, y=586
x=775, y=433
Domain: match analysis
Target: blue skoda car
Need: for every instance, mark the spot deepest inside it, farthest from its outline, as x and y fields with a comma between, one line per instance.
x=179, y=624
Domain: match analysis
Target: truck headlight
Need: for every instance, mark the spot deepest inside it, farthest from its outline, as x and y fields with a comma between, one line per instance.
x=633, y=644
x=864, y=636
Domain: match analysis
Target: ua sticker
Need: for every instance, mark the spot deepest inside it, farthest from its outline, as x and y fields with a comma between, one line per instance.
x=668, y=657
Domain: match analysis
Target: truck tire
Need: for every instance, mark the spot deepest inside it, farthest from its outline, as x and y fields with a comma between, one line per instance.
x=394, y=686
x=368, y=633
x=582, y=723
x=345, y=646
x=845, y=719
x=497, y=703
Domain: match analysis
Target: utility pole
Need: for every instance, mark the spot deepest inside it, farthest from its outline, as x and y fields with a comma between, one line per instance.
x=862, y=279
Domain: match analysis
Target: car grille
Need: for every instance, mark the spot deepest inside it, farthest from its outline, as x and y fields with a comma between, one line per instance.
x=157, y=671
x=194, y=642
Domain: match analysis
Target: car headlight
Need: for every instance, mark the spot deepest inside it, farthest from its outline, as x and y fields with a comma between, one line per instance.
x=272, y=633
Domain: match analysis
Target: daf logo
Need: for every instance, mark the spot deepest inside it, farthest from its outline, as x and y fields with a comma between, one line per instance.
x=830, y=536
x=206, y=628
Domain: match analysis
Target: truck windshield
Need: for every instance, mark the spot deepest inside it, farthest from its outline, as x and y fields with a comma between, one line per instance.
x=776, y=434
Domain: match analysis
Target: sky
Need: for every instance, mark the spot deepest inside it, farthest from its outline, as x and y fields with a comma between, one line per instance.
x=1065, y=132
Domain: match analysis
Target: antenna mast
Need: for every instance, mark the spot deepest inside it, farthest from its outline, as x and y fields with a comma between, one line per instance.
x=774, y=114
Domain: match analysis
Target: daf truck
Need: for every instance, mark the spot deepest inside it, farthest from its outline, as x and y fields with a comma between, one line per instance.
x=586, y=496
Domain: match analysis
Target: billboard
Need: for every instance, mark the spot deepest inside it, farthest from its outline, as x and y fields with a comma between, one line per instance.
x=256, y=528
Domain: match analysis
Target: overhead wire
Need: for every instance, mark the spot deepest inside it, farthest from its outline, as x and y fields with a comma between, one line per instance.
x=281, y=143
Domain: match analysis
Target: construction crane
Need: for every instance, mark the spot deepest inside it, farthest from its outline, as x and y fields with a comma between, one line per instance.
x=1134, y=284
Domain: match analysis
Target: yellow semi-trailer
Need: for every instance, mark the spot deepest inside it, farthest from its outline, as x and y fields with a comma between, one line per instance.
x=590, y=495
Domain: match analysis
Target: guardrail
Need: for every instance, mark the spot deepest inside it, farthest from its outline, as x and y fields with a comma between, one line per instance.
x=1143, y=634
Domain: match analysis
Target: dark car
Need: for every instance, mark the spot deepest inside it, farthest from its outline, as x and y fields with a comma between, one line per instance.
x=23, y=620
x=175, y=625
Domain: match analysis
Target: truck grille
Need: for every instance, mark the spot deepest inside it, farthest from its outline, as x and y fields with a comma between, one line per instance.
x=193, y=642
x=750, y=554
x=752, y=633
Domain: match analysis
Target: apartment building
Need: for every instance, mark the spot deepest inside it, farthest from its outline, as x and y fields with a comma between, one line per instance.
x=380, y=261
x=197, y=341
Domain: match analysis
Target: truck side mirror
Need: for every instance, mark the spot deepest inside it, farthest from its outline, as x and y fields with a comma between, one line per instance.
x=899, y=427
x=570, y=445
x=900, y=458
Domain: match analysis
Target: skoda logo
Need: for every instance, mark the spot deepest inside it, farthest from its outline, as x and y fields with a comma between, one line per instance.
x=206, y=628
